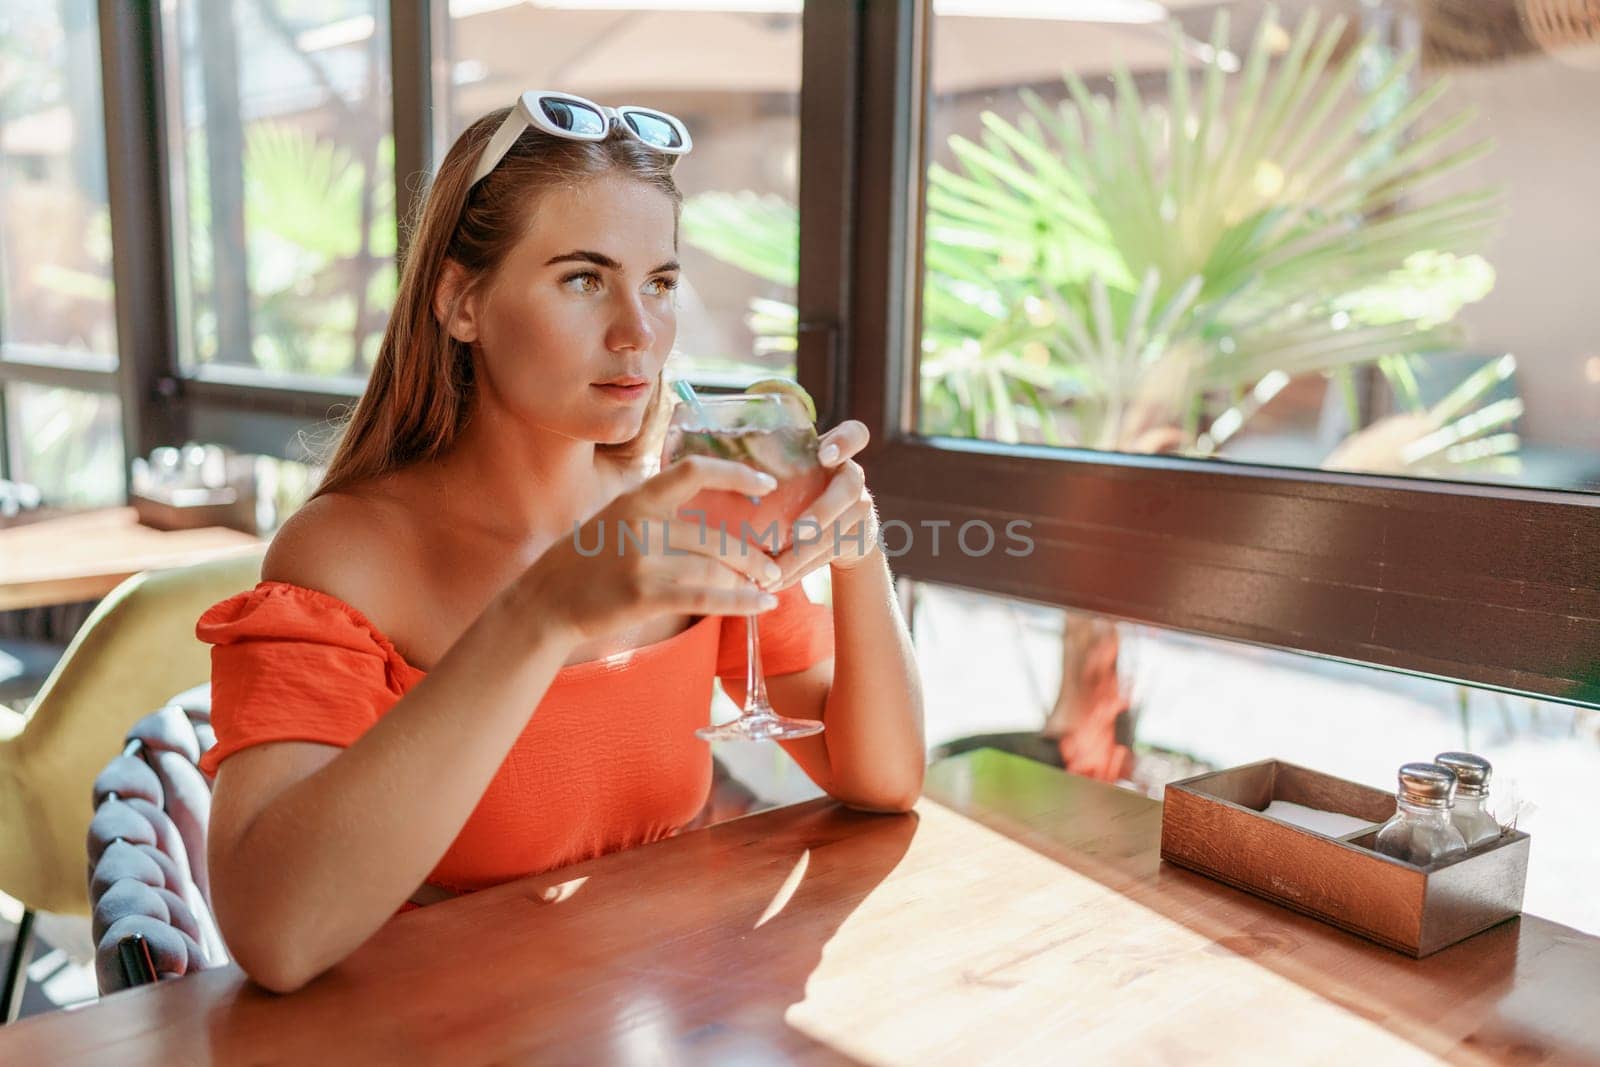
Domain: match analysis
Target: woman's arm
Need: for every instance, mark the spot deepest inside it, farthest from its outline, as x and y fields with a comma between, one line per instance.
x=312, y=848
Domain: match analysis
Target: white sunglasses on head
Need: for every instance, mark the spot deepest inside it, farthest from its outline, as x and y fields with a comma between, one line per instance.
x=577, y=119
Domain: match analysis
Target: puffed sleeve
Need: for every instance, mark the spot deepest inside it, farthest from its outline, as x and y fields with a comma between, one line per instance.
x=294, y=664
x=794, y=635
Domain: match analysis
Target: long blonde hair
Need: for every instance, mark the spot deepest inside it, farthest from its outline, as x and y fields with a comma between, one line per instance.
x=420, y=393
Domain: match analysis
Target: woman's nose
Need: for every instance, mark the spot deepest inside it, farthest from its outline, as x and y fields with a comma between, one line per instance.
x=630, y=327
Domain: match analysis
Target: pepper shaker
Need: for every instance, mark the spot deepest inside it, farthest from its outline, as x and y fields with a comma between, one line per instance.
x=1470, y=813
x=1421, y=831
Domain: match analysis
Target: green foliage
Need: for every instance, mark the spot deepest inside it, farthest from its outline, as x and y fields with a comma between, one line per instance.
x=303, y=233
x=758, y=234
x=1126, y=274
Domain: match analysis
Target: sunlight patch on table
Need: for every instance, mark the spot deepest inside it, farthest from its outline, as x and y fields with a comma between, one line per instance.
x=1043, y=960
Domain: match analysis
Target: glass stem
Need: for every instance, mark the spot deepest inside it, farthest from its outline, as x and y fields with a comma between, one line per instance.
x=755, y=679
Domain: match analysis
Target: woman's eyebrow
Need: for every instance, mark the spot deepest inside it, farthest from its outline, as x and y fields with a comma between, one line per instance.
x=600, y=259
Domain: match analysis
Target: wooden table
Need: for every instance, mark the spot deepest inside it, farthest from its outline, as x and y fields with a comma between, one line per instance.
x=84, y=555
x=1020, y=916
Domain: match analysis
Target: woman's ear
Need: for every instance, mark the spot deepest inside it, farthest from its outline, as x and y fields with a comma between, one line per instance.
x=455, y=303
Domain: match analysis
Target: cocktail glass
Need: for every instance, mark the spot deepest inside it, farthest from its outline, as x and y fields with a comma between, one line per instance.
x=771, y=432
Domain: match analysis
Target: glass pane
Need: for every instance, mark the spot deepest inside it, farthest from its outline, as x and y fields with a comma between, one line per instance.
x=731, y=72
x=66, y=443
x=1144, y=706
x=282, y=486
x=283, y=183
x=1263, y=242
x=55, y=225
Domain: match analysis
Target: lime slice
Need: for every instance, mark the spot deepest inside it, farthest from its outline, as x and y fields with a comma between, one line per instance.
x=784, y=385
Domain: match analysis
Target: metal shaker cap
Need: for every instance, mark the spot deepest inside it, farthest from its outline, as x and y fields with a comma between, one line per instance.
x=1427, y=785
x=1472, y=772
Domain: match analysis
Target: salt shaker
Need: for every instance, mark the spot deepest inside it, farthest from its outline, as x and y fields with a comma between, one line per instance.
x=1470, y=813
x=1421, y=831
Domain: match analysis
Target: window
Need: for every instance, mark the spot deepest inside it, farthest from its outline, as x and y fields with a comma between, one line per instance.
x=731, y=71
x=1353, y=263
x=995, y=665
x=57, y=316
x=1481, y=583
x=55, y=230
x=282, y=186
x=66, y=443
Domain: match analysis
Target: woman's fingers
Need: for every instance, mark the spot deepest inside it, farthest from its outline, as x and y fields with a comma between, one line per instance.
x=842, y=442
x=676, y=485
x=731, y=555
x=809, y=553
x=705, y=585
x=681, y=565
x=637, y=559
x=844, y=491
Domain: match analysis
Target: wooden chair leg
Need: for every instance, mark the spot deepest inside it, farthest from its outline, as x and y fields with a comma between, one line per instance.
x=17, y=969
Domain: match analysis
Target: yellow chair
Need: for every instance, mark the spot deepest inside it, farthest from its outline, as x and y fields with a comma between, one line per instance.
x=132, y=655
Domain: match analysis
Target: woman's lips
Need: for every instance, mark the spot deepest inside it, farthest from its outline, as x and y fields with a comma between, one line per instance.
x=625, y=392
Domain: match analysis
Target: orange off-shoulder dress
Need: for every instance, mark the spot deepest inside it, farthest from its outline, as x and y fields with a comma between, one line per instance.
x=608, y=759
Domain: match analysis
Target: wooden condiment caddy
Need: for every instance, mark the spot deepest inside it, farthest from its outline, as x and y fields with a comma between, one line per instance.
x=1214, y=823
x=194, y=508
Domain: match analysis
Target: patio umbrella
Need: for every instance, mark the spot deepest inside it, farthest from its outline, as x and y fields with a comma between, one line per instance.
x=1474, y=32
x=613, y=49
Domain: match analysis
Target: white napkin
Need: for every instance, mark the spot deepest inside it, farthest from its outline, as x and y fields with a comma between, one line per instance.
x=1331, y=823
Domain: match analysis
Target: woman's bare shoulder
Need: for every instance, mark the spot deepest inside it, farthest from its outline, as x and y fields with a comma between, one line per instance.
x=351, y=544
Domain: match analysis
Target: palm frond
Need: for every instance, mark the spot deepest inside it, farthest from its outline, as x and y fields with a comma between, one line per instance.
x=759, y=234
x=1111, y=259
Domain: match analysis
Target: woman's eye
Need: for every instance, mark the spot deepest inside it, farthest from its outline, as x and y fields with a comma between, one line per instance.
x=587, y=282
x=662, y=286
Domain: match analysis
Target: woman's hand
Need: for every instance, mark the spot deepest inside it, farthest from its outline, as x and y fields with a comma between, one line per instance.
x=598, y=581
x=841, y=526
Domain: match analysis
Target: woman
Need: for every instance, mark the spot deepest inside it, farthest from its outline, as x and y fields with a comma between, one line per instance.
x=432, y=689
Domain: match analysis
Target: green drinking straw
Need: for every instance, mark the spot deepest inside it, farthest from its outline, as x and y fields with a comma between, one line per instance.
x=686, y=391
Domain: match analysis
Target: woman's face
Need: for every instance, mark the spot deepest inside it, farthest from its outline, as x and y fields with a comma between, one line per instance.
x=585, y=298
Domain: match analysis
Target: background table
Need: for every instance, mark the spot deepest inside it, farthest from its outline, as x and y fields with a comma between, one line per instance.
x=84, y=555
x=1021, y=915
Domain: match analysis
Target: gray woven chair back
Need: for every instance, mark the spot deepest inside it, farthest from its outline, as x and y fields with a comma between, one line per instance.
x=147, y=849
